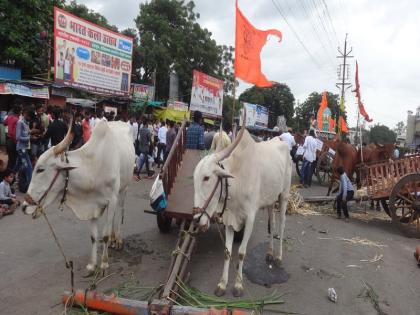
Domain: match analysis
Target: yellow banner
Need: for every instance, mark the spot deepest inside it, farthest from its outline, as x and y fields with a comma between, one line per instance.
x=171, y=114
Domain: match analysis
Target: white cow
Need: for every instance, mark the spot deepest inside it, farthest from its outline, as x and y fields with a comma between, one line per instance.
x=259, y=174
x=99, y=174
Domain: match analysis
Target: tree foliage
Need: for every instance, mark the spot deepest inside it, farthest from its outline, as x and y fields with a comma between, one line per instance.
x=310, y=107
x=172, y=41
x=21, y=22
x=382, y=134
x=400, y=128
x=278, y=99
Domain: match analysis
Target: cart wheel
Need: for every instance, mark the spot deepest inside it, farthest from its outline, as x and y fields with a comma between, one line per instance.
x=404, y=205
x=385, y=205
x=163, y=222
x=323, y=169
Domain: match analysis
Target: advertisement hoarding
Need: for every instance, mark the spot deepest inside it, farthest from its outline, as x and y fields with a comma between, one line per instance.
x=23, y=90
x=143, y=92
x=256, y=115
x=178, y=105
x=89, y=57
x=206, y=94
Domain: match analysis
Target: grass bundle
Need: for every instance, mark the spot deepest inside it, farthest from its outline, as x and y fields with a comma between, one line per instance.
x=188, y=296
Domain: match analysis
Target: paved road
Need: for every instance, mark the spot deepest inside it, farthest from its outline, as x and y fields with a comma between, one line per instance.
x=33, y=273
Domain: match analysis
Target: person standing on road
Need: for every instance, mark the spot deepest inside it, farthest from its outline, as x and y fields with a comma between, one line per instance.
x=309, y=156
x=23, y=163
x=289, y=139
x=195, y=133
x=11, y=122
x=162, y=143
x=144, y=137
x=57, y=129
x=345, y=193
x=170, y=138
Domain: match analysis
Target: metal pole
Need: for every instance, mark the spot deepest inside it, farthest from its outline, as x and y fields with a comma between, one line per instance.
x=234, y=101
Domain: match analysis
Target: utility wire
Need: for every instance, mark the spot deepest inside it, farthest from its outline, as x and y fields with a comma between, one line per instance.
x=331, y=22
x=296, y=35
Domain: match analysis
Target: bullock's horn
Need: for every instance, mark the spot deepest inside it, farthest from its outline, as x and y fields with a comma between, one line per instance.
x=227, y=151
x=65, y=143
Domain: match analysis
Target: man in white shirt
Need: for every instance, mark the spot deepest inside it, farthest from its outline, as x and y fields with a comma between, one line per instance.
x=162, y=143
x=289, y=139
x=309, y=157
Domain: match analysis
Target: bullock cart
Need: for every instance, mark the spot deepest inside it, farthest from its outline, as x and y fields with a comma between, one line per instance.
x=396, y=183
x=177, y=178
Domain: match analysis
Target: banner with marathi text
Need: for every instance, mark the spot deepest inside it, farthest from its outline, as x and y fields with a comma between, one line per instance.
x=24, y=90
x=89, y=57
x=206, y=94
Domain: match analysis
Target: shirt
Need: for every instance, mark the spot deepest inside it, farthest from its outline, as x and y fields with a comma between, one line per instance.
x=85, y=130
x=216, y=141
x=162, y=134
x=289, y=139
x=208, y=139
x=170, y=138
x=195, y=137
x=11, y=122
x=22, y=134
x=345, y=185
x=5, y=191
x=396, y=153
x=56, y=131
x=144, y=139
x=310, y=149
x=134, y=130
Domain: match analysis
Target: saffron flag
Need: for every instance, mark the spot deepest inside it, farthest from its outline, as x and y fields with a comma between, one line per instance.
x=362, y=110
x=332, y=125
x=323, y=105
x=249, y=42
x=343, y=125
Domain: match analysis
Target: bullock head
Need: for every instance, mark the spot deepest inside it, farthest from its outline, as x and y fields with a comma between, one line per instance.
x=48, y=177
x=208, y=177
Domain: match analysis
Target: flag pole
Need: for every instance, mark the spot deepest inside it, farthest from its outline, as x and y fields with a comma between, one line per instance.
x=234, y=101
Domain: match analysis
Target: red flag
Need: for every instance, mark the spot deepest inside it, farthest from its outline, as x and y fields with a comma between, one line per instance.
x=249, y=42
x=332, y=125
x=323, y=105
x=343, y=125
x=362, y=110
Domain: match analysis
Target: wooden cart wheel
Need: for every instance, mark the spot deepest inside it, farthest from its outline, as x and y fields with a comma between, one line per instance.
x=163, y=222
x=404, y=205
x=323, y=169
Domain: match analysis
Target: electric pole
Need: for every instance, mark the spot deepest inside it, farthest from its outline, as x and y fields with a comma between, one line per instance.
x=343, y=76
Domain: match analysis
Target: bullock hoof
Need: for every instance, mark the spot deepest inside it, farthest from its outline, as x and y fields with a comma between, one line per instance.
x=238, y=291
x=119, y=244
x=90, y=271
x=104, y=266
x=278, y=262
x=269, y=258
x=219, y=291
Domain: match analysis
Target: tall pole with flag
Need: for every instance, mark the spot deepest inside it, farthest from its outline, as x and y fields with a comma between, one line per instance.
x=249, y=42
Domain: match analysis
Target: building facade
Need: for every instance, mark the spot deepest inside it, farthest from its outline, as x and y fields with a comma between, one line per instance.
x=413, y=129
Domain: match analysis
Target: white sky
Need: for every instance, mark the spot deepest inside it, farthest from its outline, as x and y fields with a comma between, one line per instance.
x=382, y=33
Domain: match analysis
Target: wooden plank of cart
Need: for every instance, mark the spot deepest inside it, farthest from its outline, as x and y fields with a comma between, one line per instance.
x=396, y=183
x=177, y=176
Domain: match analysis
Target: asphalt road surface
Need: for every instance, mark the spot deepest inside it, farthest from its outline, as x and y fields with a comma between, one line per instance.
x=33, y=276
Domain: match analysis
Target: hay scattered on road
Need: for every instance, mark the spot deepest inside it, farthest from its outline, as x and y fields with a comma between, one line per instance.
x=355, y=241
x=374, y=259
x=297, y=204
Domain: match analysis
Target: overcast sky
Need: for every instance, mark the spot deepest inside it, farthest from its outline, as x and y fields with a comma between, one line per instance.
x=383, y=34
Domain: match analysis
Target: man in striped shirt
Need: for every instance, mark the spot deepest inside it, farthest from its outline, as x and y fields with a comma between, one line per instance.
x=345, y=193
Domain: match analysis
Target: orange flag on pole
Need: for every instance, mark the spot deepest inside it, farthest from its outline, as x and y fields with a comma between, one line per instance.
x=362, y=109
x=249, y=42
x=343, y=125
x=323, y=105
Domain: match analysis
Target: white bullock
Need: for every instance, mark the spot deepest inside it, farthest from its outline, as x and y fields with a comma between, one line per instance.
x=259, y=174
x=98, y=176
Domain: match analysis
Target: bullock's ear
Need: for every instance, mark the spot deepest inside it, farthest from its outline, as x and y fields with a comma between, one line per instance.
x=66, y=168
x=221, y=173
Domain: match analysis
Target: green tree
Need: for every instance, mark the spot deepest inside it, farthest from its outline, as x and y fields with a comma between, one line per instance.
x=21, y=22
x=84, y=12
x=310, y=107
x=172, y=41
x=278, y=99
x=400, y=128
x=382, y=134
